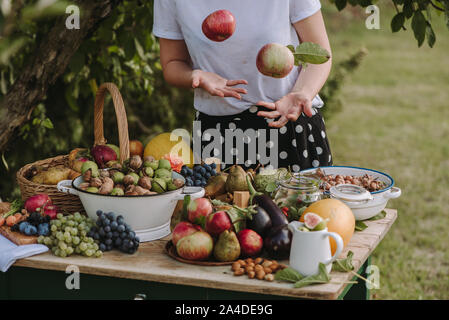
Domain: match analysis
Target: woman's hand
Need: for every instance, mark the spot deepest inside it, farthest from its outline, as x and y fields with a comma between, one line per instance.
x=216, y=85
x=288, y=108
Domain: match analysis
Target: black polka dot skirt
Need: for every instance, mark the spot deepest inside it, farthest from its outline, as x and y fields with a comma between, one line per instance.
x=246, y=139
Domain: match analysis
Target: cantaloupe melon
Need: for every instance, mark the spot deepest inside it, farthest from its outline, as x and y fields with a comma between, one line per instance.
x=161, y=145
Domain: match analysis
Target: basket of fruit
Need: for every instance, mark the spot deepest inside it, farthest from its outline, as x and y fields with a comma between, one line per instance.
x=144, y=191
x=41, y=177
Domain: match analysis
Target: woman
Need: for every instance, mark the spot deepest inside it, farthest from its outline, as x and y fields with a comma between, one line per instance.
x=230, y=93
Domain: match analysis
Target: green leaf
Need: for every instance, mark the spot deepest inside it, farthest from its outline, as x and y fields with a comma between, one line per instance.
x=309, y=52
x=185, y=207
x=397, y=22
x=419, y=25
x=140, y=50
x=430, y=35
x=288, y=275
x=291, y=47
x=360, y=226
x=321, y=277
x=344, y=265
x=270, y=187
x=47, y=123
x=379, y=216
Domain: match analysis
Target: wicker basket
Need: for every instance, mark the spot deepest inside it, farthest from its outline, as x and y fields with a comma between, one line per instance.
x=66, y=203
x=69, y=203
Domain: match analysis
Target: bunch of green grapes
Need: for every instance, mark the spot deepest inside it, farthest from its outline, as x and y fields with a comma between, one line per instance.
x=69, y=235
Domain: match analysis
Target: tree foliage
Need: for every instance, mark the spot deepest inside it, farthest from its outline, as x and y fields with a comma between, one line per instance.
x=418, y=12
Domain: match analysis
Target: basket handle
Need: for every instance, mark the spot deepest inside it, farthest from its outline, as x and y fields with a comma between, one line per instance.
x=120, y=113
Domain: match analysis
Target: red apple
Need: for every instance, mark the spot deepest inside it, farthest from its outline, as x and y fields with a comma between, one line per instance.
x=219, y=25
x=275, y=60
x=197, y=246
x=218, y=222
x=198, y=210
x=182, y=230
x=251, y=242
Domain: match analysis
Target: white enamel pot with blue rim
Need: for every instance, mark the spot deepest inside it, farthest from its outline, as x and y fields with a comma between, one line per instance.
x=364, y=204
x=149, y=216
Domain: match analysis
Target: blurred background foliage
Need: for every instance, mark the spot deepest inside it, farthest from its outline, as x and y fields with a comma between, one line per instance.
x=124, y=51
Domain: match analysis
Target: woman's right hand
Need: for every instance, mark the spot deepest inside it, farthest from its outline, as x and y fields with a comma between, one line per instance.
x=216, y=85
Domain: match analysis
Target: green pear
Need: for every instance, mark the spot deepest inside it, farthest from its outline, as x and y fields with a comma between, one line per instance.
x=227, y=247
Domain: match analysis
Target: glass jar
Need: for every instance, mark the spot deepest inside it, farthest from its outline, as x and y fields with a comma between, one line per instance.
x=296, y=193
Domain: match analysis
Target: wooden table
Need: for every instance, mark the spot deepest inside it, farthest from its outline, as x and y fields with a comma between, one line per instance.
x=151, y=265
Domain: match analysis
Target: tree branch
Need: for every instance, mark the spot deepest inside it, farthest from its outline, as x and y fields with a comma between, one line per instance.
x=50, y=61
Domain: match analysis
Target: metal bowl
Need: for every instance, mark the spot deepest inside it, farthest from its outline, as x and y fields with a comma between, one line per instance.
x=368, y=207
x=148, y=215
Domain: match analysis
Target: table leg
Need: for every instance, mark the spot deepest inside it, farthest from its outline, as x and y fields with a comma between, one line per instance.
x=358, y=291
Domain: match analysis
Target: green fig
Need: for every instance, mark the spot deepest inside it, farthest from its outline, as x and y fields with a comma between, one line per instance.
x=92, y=166
x=92, y=190
x=158, y=185
x=164, y=164
x=163, y=174
x=117, y=192
x=227, y=247
x=153, y=164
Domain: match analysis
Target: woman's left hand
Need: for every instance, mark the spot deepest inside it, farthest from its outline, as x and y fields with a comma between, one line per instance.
x=288, y=108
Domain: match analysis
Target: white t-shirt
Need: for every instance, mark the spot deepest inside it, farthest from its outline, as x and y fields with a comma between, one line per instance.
x=258, y=22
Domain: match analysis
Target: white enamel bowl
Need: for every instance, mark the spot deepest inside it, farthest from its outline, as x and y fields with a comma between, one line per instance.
x=368, y=208
x=149, y=216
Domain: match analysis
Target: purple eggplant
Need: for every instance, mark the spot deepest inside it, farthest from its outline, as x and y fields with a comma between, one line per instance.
x=260, y=222
x=277, y=217
x=278, y=242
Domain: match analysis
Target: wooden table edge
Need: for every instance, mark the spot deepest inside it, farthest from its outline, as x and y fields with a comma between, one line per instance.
x=33, y=262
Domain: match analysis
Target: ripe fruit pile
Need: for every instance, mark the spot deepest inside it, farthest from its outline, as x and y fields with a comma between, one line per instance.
x=69, y=235
x=112, y=232
x=199, y=175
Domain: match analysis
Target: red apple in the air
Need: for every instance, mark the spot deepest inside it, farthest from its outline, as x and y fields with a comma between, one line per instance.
x=275, y=60
x=251, y=242
x=197, y=246
x=218, y=222
x=182, y=230
x=198, y=210
x=219, y=25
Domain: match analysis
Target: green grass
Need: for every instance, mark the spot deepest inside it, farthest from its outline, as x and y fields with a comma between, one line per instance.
x=396, y=119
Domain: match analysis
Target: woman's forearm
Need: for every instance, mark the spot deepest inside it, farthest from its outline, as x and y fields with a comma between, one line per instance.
x=178, y=73
x=312, y=78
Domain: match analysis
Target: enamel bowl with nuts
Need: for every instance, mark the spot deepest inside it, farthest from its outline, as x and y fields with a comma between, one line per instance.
x=365, y=191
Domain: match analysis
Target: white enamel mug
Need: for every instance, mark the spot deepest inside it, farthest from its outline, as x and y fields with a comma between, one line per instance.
x=308, y=249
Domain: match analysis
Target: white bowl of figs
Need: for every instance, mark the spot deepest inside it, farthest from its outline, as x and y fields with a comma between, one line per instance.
x=144, y=192
x=365, y=191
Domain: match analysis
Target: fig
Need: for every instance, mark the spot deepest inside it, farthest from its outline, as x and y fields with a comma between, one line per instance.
x=159, y=185
x=162, y=174
x=164, y=164
x=227, y=247
x=117, y=177
x=135, y=162
x=92, y=190
x=236, y=180
x=154, y=164
x=92, y=166
x=103, y=154
x=117, y=192
x=145, y=182
x=311, y=220
x=115, y=148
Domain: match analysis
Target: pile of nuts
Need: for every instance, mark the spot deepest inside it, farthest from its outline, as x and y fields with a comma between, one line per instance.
x=366, y=181
x=258, y=268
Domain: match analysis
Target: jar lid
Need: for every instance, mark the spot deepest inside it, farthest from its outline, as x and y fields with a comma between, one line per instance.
x=350, y=192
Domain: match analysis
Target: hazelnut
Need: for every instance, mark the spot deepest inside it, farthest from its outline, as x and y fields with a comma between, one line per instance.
x=260, y=274
x=269, y=277
x=236, y=265
x=135, y=162
x=258, y=260
x=251, y=274
x=239, y=272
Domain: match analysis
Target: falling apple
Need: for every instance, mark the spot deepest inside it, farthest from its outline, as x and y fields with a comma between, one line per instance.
x=219, y=25
x=275, y=60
